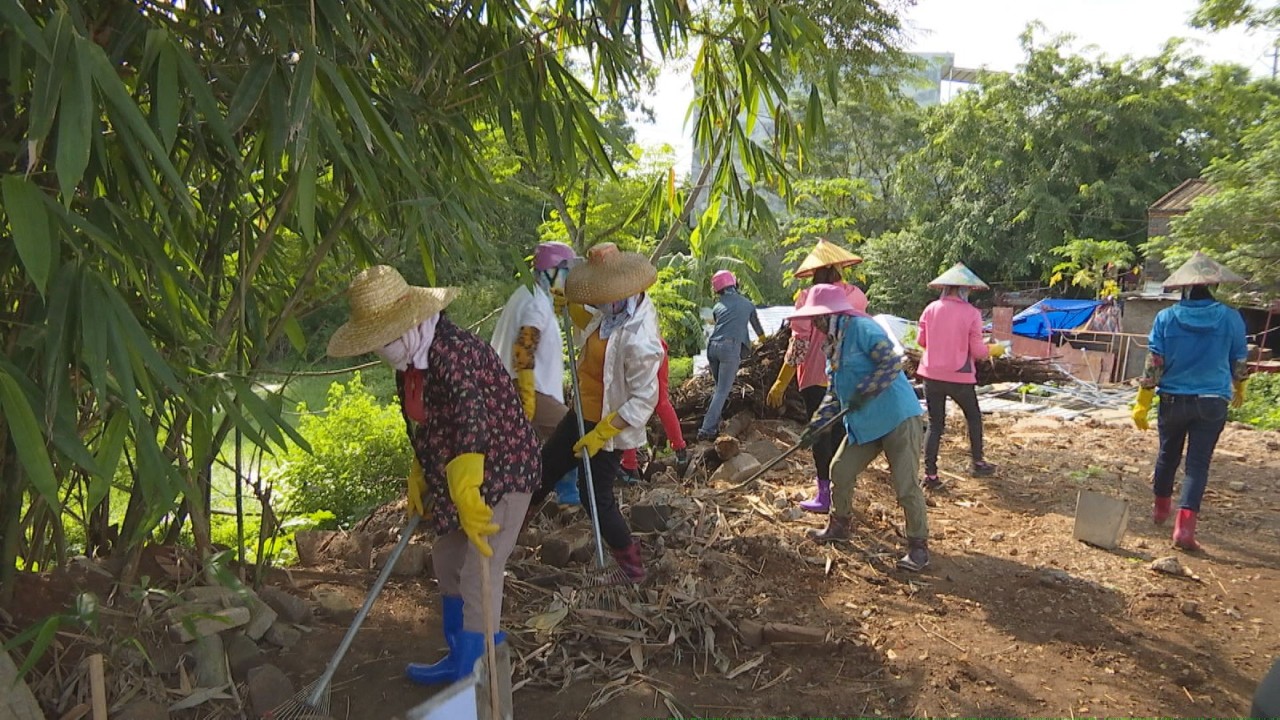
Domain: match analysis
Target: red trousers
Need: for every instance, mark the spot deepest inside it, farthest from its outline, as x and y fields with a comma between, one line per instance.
x=666, y=414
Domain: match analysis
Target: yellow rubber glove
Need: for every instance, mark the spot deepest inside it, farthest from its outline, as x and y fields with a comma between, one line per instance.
x=594, y=441
x=465, y=473
x=417, y=488
x=1237, y=394
x=1142, y=407
x=528, y=395
x=779, y=389
x=557, y=299
x=997, y=350
x=580, y=314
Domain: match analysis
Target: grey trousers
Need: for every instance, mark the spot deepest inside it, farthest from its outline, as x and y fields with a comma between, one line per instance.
x=901, y=447
x=457, y=563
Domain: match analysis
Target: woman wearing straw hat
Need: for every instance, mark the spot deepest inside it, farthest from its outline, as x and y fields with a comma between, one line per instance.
x=618, y=387
x=1198, y=363
x=527, y=338
x=951, y=335
x=476, y=455
x=806, y=362
x=883, y=416
x=728, y=345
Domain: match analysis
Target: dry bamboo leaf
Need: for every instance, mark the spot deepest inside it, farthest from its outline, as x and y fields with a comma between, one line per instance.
x=547, y=621
x=637, y=656
x=76, y=712
x=199, y=697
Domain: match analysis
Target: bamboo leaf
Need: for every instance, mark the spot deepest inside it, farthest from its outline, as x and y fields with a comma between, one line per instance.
x=29, y=221
x=306, y=206
x=17, y=18
x=46, y=86
x=24, y=429
x=165, y=96
x=44, y=638
x=293, y=329
x=110, y=449
x=76, y=126
x=249, y=92
x=210, y=113
x=128, y=117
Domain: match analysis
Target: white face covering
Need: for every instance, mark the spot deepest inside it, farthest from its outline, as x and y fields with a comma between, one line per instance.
x=412, y=348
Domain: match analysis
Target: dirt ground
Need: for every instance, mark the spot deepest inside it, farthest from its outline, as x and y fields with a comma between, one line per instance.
x=1013, y=617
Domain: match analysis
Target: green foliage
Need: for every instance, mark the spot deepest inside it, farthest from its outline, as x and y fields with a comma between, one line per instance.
x=279, y=548
x=1239, y=225
x=677, y=315
x=1092, y=264
x=1261, y=407
x=679, y=369
x=1068, y=147
x=1221, y=14
x=899, y=266
x=359, y=456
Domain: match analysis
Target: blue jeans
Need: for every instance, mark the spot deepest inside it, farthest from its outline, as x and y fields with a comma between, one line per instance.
x=1193, y=422
x=724, y=357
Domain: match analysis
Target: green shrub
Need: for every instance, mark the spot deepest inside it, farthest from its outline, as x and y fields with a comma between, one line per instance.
x=679, y=369
x=1262, y=402
x=359, y=455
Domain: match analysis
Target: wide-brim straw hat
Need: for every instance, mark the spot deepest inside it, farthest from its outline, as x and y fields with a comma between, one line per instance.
x=609, y=275
x=958, y=276
x=826, y=254
x=1201, y=269
x=825, y=300
x=383, y=308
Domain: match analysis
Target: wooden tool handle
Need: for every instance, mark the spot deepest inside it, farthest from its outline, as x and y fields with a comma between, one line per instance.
x=490, y=647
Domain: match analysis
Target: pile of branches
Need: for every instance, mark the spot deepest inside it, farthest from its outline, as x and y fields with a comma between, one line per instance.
x=758, y=372
x=1005, y=369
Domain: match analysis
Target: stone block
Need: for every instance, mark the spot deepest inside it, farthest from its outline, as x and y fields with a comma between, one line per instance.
x=291, y=608
x=211, y=662
x=412, y=562
x=650, y=517
x=269, y=688
x=243, y=655
x=197, y=625
x=736, y=469
x=282, y=635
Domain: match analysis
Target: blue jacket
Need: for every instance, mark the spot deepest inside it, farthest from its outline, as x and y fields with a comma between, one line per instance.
x=863, y=345
x=732, y=313
x=1199, y=341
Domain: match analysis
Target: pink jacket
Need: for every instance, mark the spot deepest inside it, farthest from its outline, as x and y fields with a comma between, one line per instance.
x=951, y=335
x=805, y=349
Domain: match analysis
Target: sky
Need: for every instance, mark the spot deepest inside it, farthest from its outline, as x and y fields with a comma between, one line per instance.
x=984, y=33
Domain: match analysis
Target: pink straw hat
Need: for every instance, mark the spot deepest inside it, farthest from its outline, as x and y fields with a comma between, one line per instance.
x=825, y=299
x=549, y=255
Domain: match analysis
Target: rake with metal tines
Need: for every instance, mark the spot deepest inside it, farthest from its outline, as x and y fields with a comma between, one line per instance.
x=312, y=703
x=604, y=587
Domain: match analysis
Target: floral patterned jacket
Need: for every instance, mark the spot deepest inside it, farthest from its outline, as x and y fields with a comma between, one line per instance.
x=471, y=406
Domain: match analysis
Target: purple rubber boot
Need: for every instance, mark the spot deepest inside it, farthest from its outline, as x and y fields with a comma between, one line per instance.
x=821, y=503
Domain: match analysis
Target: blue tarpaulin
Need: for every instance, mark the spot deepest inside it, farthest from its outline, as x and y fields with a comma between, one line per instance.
x=1053, y=315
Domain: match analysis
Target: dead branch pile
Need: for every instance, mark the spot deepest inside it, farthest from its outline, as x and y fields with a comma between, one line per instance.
x=758, y=372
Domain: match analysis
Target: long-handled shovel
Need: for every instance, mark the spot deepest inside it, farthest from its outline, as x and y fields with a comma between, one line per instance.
x=770, y=465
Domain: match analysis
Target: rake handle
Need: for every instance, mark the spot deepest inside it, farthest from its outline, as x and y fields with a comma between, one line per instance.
x=786, y=454
x=322, y=685
x=490, y=646
x=582, y=431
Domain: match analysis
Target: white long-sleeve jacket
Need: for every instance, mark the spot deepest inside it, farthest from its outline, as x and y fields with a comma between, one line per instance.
x=631, y=361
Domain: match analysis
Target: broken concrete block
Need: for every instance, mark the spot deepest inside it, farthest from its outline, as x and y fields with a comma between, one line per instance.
x=261, y=617
x=736, y=469
x=211, y=662
x=786, y=633
x=353, y=549
x=243, y=655
x=752, y=633
x=291, y=608
x=212, y=595
x=727, y=446
x=555, y=552
x=335, y=605
x=650, y=517
x=205, y=624
x=282, y=635
x=1101, y=520
x=269, y=688
x=412, y=562
x=763, y=450
x=16, y=702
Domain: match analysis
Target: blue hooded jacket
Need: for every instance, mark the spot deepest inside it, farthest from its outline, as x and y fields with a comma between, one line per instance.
x=1200, y=341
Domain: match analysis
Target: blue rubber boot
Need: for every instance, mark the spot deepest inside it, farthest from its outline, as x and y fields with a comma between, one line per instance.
x=465, y=648
x=567, y=489
x=439, y=672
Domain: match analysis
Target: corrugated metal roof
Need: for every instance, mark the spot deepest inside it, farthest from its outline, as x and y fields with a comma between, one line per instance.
x=1179, y=199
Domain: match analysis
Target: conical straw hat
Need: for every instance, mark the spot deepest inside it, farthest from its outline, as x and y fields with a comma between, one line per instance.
x=383, y=308
x=826, y=254
x=1201, y=269
x=958, y=276
x=609, y=275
